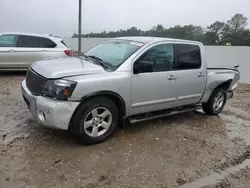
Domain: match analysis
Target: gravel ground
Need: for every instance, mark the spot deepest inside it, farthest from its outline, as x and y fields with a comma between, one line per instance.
x=168, y=152
x=240, y=179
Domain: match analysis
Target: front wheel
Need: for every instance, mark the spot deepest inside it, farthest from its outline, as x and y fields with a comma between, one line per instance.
x=216, y=102
x=95, y=120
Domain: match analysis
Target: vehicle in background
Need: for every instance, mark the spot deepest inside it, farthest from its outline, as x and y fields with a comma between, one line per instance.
x=129, y=78
x=19, y=50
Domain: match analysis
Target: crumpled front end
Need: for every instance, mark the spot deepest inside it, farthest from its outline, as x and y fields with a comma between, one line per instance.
x=49, y=112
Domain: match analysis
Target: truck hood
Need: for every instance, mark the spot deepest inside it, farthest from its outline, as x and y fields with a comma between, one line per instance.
x=64, y=67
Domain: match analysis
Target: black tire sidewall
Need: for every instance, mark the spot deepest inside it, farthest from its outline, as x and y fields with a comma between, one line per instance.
x=211, y=101
x=83, y=111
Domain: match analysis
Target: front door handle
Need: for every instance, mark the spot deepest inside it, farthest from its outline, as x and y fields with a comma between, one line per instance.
x=11, y=50
x=172, y=78
x=201, y=75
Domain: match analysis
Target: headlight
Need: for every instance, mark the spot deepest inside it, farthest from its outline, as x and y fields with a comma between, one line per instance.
x=59, y=89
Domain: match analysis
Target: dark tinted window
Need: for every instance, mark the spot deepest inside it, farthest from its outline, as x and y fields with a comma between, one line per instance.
x=47, y=43
x=29, y=42
x=189, y=56
x=161, y=57
x=35, y=42
x=8, y=41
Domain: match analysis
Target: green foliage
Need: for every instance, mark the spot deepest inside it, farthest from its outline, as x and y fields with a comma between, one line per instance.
x=234, y=31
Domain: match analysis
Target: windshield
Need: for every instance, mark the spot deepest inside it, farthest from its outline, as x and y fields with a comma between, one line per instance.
x=114, y=53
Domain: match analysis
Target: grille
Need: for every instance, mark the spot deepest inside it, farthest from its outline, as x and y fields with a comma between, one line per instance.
x=34, y=82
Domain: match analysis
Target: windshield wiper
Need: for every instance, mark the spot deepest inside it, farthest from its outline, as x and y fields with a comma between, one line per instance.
x=99, y=61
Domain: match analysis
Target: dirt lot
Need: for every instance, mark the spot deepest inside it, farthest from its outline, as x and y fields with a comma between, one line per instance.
x=169, y=152
x=240, y=179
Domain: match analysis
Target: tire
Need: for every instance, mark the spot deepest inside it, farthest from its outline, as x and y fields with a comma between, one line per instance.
x=91, y=124
x=210, y=107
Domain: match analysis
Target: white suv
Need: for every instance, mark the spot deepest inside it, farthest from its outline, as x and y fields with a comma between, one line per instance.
x=19, y=50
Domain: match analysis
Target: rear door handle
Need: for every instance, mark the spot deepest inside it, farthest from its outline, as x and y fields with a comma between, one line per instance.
x=201, y=75
x=44, y=50
x=11, y=50
x=172, y=78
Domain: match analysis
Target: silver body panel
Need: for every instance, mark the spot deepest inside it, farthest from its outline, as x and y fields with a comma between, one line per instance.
x=217, y=76
x=145, y=92
x=19, y=58
x=8, y=58
x=66, y=67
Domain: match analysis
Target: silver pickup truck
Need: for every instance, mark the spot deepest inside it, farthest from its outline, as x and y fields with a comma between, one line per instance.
x=128, y=78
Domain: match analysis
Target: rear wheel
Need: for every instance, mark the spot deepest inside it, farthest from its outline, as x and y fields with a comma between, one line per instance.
x=216, y=102
x=95, y=120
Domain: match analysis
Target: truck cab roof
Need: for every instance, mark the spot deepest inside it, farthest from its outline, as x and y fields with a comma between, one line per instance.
x=157, y=39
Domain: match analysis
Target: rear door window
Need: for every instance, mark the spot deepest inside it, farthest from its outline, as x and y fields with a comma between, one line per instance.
x=28, y=42
x=47, y=43
x=188, y=56
x=8, y=41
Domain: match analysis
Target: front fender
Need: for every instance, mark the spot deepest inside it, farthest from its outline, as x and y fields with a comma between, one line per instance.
x=115, y=84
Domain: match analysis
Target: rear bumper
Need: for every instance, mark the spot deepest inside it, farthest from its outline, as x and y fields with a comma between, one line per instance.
x=49, y=112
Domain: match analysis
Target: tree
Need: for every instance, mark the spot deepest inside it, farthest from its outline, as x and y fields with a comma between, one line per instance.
x=189, y=32
x=216, y=27
x=74, y=35
x=237, y=23
x=210, y=38
x=133, y=31
x=235, y=29
x=219, y=33
x=214, y=31
x=158, y=28
x=157, y=31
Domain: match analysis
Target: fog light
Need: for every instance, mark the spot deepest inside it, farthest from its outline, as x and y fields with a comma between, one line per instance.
x=41, y=115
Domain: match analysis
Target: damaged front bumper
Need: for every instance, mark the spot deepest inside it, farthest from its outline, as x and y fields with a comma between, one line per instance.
x=49, y=112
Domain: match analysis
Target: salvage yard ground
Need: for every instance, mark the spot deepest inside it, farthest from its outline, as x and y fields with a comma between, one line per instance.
x=170, y=152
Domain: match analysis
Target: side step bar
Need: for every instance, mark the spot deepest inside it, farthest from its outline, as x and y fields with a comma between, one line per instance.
x=160, y=114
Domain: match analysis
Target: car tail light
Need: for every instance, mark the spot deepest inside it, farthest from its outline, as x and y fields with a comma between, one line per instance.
x=67, y=52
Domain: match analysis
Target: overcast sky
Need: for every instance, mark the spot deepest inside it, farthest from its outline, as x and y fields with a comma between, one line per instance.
x=59, y=17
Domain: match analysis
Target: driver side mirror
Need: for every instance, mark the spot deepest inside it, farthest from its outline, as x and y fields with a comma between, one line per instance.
x=142, y=67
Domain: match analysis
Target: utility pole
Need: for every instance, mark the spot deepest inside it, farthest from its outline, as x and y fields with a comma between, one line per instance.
x=80, y=28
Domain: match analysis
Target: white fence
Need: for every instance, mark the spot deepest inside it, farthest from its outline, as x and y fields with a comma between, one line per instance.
x=87, y=43
x=215, y=55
